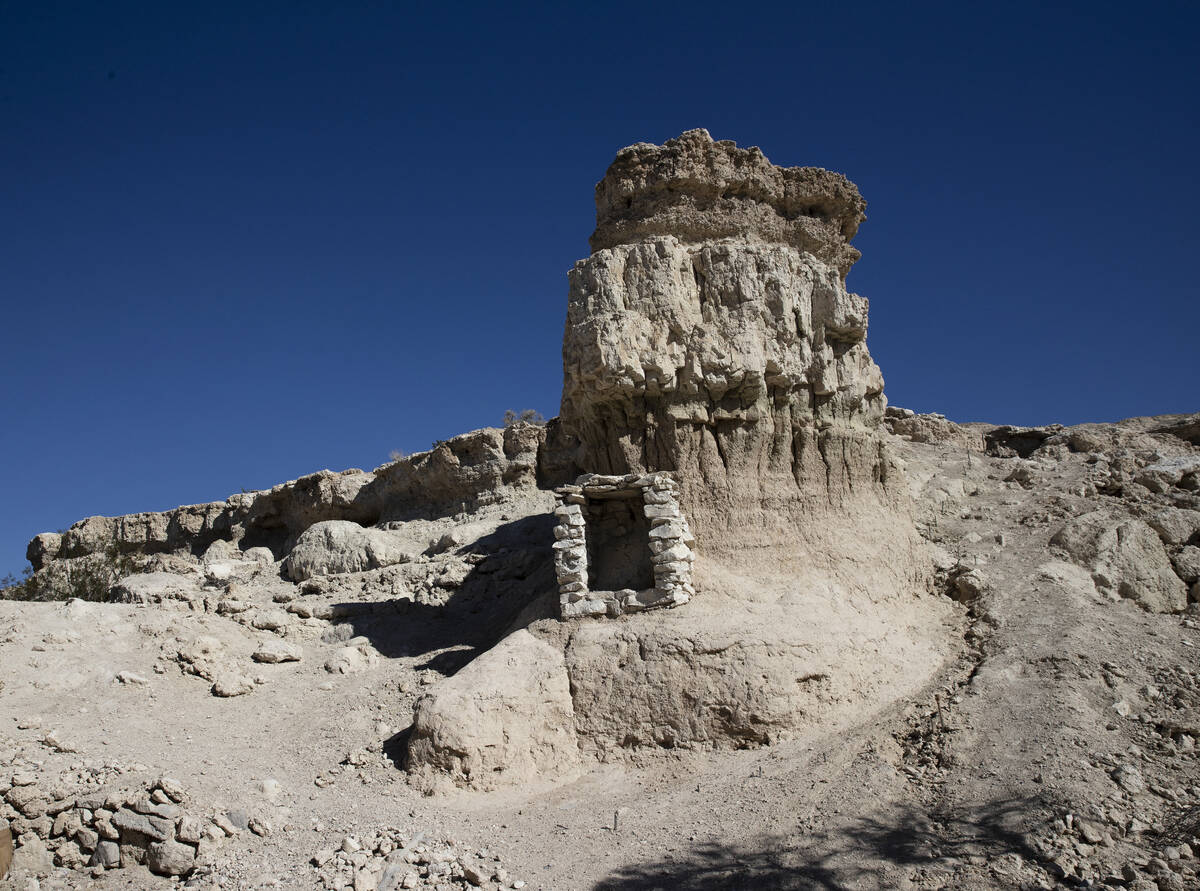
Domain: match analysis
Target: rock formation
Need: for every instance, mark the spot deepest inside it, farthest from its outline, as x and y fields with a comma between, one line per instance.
x=721, y=421
x=711, y=333
x=280, y=653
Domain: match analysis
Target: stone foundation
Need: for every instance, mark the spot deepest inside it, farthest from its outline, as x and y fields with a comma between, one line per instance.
x=623, y=545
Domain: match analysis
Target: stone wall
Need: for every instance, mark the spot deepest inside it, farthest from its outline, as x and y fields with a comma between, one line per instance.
x=588, y=526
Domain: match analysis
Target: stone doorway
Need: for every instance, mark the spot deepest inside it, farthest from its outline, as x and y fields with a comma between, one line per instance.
x=623, y=545
x=618, y=543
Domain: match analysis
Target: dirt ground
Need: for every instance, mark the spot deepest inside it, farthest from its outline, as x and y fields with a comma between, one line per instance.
x=1055, y=747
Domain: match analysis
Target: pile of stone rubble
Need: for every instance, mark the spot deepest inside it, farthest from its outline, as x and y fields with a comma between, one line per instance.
x=107, y=828
x=388, y=860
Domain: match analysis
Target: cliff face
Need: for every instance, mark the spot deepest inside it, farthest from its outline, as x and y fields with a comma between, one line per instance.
x=711, y=333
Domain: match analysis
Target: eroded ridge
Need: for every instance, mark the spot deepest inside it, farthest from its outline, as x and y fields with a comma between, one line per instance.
x=699, y=190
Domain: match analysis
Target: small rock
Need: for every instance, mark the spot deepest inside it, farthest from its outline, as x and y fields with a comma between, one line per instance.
x=474, y=874
x=231, y=683
x=275, y=651
x=259, y=826
x=129, y=677
x=1090, y=832
x=238, y=818
x=172, y=788
x=55, y=741
x=1129, y=778
x=170, y=858
x=87, y=838
x=269, y=788
x=190, y=830
x=106, y=855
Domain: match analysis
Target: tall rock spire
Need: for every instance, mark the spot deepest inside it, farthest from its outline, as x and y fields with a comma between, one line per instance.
x=711, y=333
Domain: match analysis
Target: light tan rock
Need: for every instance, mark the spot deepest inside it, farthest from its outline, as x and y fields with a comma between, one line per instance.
x=1187, y=563
x=351, y=660
x=1176, y=526
x=156, y=587
x=276, y=651
x=506, y=719
x=335, y=546
x=1126, y=559
x=709, y=336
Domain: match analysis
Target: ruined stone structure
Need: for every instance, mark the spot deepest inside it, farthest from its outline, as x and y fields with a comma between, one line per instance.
x=622, y=545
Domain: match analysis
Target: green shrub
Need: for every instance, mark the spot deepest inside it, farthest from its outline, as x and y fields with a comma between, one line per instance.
x=86, y=578
x=528, y=416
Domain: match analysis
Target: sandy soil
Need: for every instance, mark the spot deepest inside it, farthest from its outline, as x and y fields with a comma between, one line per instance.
x=1050, y=749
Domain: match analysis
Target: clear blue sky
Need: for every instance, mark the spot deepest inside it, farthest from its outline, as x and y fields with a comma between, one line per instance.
x=240, y=242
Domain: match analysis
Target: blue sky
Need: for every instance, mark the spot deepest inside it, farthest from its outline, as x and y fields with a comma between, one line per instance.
x=243, y=242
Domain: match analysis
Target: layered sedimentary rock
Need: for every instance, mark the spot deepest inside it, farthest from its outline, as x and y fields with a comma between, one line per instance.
x=466, y=472
x=711, y=342
x=711, y=333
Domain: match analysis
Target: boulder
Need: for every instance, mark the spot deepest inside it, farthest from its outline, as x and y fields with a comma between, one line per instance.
x=1176, y=526
x=32, y=857
x=275, y=651
x=1126, y=559
x=1187, y=563
x=337, y=546
x=230, y=683
x=1162, y=475
x=155, y=587
x=352, y=660
x=506, y=719
x=170, y=858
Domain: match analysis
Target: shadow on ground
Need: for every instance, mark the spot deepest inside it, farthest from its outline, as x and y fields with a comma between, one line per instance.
x=514, y=571
x=868, y=852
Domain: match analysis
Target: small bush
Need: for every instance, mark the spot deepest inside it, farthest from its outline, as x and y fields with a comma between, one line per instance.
x=86, y=578
x=528, y=416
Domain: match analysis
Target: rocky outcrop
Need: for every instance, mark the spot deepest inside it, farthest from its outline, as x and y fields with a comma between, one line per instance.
x=333, y=546
x=506, y=719
x=464, y=473
x=697, y=190
x=711, y=333
x=932, y=427
x=1126, y=559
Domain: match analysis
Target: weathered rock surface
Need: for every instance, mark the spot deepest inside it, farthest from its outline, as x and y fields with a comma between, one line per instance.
x=933, y=428
x=727, y=348
x=342, y=546
x=483, y=467
x=698, y=190
x=505, y=719
x=1126, y=559
x=156, y=587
